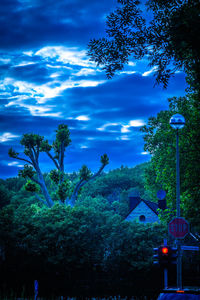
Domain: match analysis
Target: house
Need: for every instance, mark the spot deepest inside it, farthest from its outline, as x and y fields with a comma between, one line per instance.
x=143, y=211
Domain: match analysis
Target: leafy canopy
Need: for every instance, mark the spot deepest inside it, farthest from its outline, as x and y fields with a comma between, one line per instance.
x=160, y=141
x=166, y=32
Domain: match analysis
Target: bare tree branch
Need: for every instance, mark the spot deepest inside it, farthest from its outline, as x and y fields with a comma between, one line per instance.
x=53, y=159
x=97, y=173
x=81, y=183
x=26, y=160
x=37, y=152
x=32, y=156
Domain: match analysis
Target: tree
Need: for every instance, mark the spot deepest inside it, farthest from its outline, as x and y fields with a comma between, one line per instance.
x=160, y=141
x=5, y=195
x=113, y=183
x=85, y=246
x=33, y=145
x=167, y=36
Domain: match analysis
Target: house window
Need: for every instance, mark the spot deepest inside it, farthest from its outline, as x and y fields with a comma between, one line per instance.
x=142, y=218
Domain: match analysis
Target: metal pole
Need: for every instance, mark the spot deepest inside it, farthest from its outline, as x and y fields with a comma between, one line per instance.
x=179, y=261
x=165, y=278
x=36, y=290
x=177, y=176
x=165, y=270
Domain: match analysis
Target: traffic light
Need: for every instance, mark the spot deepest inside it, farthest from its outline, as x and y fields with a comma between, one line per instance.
x=155, y=256
x=165, y=256
x=174, y=255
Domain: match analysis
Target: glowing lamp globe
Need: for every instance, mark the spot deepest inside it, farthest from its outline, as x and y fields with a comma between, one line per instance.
x=177, y=121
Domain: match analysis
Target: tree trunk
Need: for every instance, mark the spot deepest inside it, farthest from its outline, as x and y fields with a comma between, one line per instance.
x=45, y=192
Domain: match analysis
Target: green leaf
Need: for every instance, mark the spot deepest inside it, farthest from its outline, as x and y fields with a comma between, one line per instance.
x=12, y=153
x=31, y=186
x=27, y=172
x=104, y=159
x=85, y=173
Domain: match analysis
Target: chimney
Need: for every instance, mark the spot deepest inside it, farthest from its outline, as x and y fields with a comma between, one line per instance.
x=162, y=204
x=161, y=194
x=134, y=199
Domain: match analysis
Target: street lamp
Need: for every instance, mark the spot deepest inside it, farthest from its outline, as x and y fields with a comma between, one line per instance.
x=177, y=122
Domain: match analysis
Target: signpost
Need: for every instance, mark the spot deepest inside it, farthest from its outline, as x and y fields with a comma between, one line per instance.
x=177, y=122
x=178, y=228
x=36, y=289
x=190, y=248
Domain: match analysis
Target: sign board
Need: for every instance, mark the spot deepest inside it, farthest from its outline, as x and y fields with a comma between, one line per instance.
x=161, y=194
x=178, y=228
x=190, y=248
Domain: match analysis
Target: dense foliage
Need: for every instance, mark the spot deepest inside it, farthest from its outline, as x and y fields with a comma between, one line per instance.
x=160, y=141
x=114, y=187
x=88, y=245
x=165, y=32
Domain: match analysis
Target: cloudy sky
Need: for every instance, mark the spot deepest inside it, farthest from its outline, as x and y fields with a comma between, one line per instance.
x=47, y=79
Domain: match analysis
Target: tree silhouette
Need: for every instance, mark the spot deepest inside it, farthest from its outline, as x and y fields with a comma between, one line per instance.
x=164, y=32
x=33, y=145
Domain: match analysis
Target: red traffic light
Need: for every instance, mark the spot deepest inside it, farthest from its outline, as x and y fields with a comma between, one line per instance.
x=165, y=250
x=165, y=255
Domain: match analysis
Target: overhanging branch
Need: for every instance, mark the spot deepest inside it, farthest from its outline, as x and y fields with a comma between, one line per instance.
x=26, y=160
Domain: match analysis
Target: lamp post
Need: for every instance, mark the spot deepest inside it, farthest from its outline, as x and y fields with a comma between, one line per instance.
x=177, y=122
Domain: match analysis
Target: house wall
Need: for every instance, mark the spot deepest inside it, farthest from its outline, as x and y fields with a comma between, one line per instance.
x=143, y=210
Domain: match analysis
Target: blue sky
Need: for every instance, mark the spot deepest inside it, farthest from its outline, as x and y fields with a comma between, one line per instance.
x=46, y=78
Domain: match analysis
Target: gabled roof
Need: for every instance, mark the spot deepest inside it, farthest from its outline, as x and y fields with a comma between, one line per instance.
x=152, y=205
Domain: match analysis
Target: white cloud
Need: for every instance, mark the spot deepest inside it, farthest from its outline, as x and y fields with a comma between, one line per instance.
x=144, y=153
x=90, y=138
x=125, y=129
x=88, y=83
x=132, y=64
x=58, y=67
x=28, y=53
x=61, y=61
x=148, y=73
x=103, y=128
x=24, y=63
x=127, y=72
x=7, y=136
x=66, y=55
x=85, y=72
x=136, y=123
x=41, y=93
x=54, y=75
x=5, y=60
x=82, y=118
x=124, y=138
x=42, y=111
x=15, y=163
x=35, y=110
